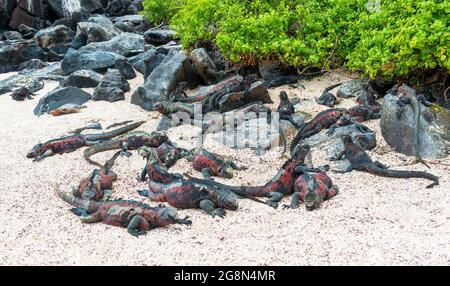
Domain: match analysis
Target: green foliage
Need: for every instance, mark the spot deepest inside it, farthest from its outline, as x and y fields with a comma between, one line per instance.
x=161, y=11
x=403, y=37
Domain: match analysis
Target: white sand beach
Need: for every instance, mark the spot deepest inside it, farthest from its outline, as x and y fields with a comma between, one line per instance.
x=372, y=221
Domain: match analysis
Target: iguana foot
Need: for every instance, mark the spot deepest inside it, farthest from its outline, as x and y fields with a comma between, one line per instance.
x=185, y=221
x=219, y=212
x=285, y=207
x=125, y=154
x=137, y=233
x=79, y=211
x=272, y=204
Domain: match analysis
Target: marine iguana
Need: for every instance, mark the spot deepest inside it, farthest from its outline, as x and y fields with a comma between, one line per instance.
x=73, y=142
x=360, y=160
x=336, y=117
x=130, y=141
x=211, y=102
x=281, y=80
x=168, y=107
x=283, y=182
x=168, y=154
x=286, y=109
x=321, y=121
x=312, y=188
x=327, y=98
x=407, y=97
x=211, y=164
x=98, y=186
x=179, y=92
x=187, y=194
x=217, y=88
x=137, y=217
x=154, y=168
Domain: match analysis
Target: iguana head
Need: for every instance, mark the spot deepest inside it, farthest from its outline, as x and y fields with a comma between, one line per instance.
x=312, y=201
x=35, y=151
x=148, y=153
x=227, y=200
x=300, y=153
x=283, y=96
x=226, y=172
x=161, y=107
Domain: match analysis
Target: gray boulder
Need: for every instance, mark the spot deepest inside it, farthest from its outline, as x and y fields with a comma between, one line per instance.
x=12, y=35
x=20, y=16
x=14, y=53
x=125, y=44
x=159, y=36
x=54, y=36
x=351, y=88
x=98, y=29
x=29, y=82
x=205, y=67
x=433, y=130
x=112, y=88
x=33, y=7
x=83, y=79
x=161, y=81
x=60, y=97
x=33, y=64
x=98, y=61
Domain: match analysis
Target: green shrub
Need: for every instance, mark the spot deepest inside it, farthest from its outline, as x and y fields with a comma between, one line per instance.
x=161, y=11
x=405, y=36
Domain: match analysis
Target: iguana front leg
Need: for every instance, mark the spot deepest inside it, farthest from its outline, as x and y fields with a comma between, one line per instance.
x=206, y=172
x=210, y=208
x=312, y=132
x=138, y=226
x=273, y=198
x=295, y=200
x=46, y=154
x=154, y=197
x=124, y=150
x=143, y=176
x=92, y=218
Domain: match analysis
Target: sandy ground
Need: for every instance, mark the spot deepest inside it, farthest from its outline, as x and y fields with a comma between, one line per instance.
x=373, y=220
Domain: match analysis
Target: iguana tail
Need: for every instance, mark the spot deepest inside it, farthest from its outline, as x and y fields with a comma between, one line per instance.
x=110, y=163
x=90, y=206
x=101, y=147
x=331, y=87
x=113, y=133
x=238, y=190
x=403, y=174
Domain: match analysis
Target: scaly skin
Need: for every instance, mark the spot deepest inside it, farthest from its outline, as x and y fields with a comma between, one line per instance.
x=211, y=164
x=282, y=80
x=137, y=217
x=98, y=186
x=217, y=88
x=238, y=190
x=327, y=98
x=283, y=182
x=321, y=121
x=211, y=102
x=132, y=141
x=179, y=92
x=312, y=189
x=167, y=108
x=360, y=160
x=169, y=154
x=406, y=97
x=73, y=142
x=188, y=194
x=154, y=169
